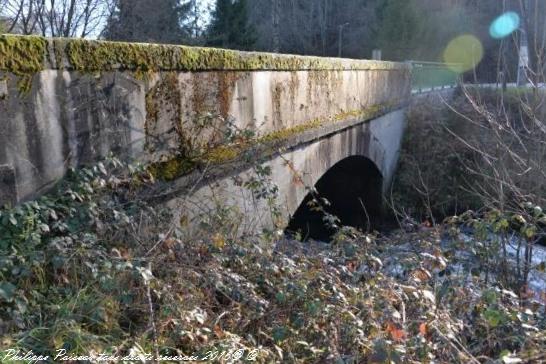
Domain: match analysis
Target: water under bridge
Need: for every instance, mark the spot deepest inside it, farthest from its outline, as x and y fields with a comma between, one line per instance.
x=204, y=118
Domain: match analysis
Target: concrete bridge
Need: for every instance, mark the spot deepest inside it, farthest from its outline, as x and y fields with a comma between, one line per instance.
x=203, y=118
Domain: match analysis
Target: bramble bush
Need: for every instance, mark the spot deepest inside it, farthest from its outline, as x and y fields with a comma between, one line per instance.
x=94, y=268
x=479, y=149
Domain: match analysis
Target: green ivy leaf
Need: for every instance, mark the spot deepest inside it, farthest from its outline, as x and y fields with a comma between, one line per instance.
x=280, y=297
x=489, y=296
x=146, y=274
x=44, y=228
x=529, y=231
x=7, y=291
x=280, y=334
x=493, y=317
x=102, y=169
x=380, y=352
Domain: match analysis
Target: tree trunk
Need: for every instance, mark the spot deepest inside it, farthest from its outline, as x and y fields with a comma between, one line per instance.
x=276, y=31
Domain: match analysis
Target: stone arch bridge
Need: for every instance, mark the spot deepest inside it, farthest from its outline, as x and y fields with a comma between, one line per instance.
x=203, y=118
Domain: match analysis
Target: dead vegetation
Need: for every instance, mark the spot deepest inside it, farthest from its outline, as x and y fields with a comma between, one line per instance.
x=94, y=269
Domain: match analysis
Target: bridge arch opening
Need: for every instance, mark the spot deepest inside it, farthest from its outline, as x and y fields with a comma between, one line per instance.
x=353, y=188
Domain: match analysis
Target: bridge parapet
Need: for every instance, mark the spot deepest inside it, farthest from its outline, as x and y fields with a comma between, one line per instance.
x=68, y=102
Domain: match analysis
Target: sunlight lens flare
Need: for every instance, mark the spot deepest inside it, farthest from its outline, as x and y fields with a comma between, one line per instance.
x=463, y=53
x=504, y=25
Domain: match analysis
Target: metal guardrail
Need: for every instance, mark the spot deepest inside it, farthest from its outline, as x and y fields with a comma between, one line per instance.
x=430, y=76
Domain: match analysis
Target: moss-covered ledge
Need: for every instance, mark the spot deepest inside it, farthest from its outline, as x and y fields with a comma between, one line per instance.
x=22, y=56
x=28, y=54
x=267, y=145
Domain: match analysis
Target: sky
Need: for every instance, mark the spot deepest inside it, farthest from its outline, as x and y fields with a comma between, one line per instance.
x=206, y=4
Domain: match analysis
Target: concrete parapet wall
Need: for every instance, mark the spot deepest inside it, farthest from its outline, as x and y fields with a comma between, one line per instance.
x=64, y=102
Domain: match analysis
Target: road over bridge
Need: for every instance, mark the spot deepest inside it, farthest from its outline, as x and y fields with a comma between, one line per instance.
x=203, y=118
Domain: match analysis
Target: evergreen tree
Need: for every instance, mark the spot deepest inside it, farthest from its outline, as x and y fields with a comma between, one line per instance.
x=403, y=31
x=154, y=21
x=230, y=27
x=399, y=29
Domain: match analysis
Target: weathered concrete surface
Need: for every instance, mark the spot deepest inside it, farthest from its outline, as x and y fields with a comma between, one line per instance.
x=76, y=101
x=8, y=187
x=65, y=121
x=3, y=89
x=292, y=172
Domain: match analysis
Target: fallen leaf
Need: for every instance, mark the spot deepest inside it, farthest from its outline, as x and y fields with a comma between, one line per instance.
x=423, y=329
x=218, y=241
x=218, y=331
x=352, y=265
x=429, y=295
x=421, y=274
x=396, y=333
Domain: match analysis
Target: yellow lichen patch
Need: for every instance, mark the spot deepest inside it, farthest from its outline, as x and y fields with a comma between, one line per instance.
x=277, y=101
x=226, y=86
x=152, y=110
x=201, y=86
x=163, y=102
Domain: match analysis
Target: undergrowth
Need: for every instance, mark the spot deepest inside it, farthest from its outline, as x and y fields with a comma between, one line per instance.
x=432, y=181
x=93, y=269
x=476, y=150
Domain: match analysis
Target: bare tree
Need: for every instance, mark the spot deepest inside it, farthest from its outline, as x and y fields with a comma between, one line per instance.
x=275, y=19
x=56, y=18
x=505, y=131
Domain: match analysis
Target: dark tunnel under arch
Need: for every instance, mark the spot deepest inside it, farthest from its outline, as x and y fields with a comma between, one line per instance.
x=353, y=188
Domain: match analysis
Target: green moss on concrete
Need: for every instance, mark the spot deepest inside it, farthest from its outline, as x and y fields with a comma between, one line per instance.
x=22, y=56
x=171, y=169
x=100, y=56
x=26, y=55
x=179, y=166
x=366, y=113
x=224, y=153
x=286, y=133
x=29, y=53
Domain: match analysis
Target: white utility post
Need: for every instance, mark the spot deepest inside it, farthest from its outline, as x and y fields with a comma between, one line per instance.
x=523, y=53
x=523, y=59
